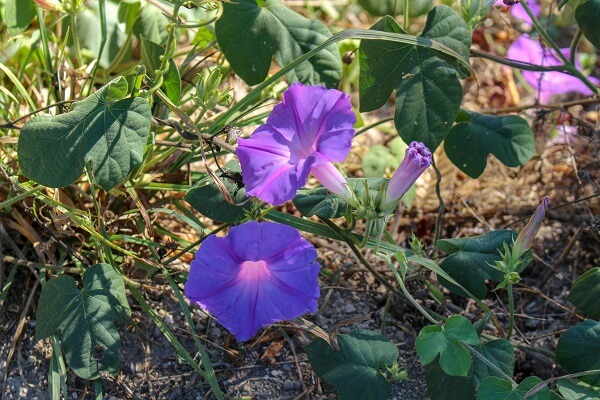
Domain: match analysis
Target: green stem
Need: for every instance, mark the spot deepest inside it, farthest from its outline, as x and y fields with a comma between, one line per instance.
x=405, y=20
x=574, y=44
x=169, y=51
x=543, y=384
x=406, y=292
x=373, y=125
x=204, y=358
x=438, y=192
x=511, y=311
x=525, y=66
x=488, y=363
x=181, y=351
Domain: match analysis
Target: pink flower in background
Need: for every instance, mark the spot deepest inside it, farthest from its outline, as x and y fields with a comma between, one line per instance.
x=528, y=233
x=417, y=159
x=260, y=273
x=311, y=128
x=52, y=5
x=519, y=12
x=546, y=83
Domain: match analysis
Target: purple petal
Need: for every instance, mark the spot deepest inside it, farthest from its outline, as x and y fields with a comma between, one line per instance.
x=519, y=12
x=332, y=179
x=260, y=273
x=311, y=126
x=546, y=83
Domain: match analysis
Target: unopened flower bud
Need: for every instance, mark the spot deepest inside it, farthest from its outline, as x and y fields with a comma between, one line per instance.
x=416, y=159
x=526, y=236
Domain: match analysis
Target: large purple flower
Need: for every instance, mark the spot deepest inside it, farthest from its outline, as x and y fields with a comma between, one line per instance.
x=546, y=83
x=305, y=133
x=258, y=274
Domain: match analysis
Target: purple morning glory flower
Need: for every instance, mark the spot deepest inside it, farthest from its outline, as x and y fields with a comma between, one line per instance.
x=546, y=83
x=416, y=160
x=528, y=233
x=311, y=128
x=260, y=273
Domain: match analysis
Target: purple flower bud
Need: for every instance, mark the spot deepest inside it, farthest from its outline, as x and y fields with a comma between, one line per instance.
x=526, y=236
x=416, y=159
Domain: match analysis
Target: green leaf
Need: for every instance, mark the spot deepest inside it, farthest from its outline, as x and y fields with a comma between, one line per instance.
x=578, y=350
x=444, y=341
x=320, y=202
x=470, y=261
x=428, y=90
x=106, y=130
x=151, y=24
x=208, y=200
x=586, y=291
x=89, y=33
x=18, y=14
x=572, y=389
x=379, y=8
x=85, y=319
x=494, y=388
x=355, y=370
x=151, y=53
x=508, y=137
x=587, y=16
x=250, y=35
x=442, y=386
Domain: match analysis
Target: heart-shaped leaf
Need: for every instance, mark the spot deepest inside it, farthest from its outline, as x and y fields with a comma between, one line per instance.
x=586, y=291
x=494, y=388
x=442, y=386
x=106, y=130
x=85, y=319
x=469, y=142
x=578, y=350
x=445, y=341
x=208, y=200
x=320, y=202
x=151, y=24
x=470, y=261
x=428, y=91
x=250, y=35
x=355, y=370
x=587, y=16
x=572, y=389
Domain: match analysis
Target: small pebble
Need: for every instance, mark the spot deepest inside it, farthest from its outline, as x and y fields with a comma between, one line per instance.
x=276, y=372
x=169, y=319
x=74, y=395
x=216, y=332
x=297, y=385
x=288, y=385
x=349, y=309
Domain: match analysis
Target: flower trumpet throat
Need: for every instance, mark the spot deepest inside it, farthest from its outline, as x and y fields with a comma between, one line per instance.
x=417, y=159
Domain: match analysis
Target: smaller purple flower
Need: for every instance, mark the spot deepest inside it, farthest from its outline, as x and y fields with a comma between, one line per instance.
x=258, y=274
x=311, y=128
x=546, y=83
x=528, y=233
x=416, y=160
